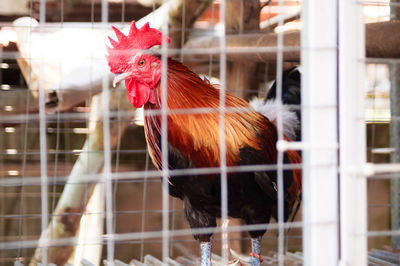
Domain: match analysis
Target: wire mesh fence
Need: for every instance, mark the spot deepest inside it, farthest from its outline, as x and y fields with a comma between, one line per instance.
x=78, y=183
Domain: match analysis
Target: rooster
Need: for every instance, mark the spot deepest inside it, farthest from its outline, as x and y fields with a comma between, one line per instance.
x=193, y=140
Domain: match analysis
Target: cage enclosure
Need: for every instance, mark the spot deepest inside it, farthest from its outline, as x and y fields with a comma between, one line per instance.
x=89, y=177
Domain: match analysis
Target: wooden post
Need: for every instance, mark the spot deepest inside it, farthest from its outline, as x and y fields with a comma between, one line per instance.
x=244, y=17
x=72, y=203
x=182, y=15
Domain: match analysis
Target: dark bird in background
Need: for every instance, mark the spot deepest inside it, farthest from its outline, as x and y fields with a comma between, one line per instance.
x=291, y=94
x=193, y=140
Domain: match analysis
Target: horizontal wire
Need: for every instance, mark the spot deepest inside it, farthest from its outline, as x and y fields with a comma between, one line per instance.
x=147, y=235
x=370, y=170
x=95, y=178
x=73, y=151
x=116, y=115
x=383, y=233
x=15, y=216
x=382, y=60
x=191, y=239
x=177, y=239
x=382, y=176
x=186, y=51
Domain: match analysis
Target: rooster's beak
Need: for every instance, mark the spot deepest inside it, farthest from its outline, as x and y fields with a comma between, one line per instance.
x=120, y=77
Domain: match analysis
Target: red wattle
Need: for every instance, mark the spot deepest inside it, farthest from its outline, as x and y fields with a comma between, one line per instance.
x=138, y=92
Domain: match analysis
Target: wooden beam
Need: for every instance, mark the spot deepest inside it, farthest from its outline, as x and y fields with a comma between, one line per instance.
x=244, y=17
x=72, y=203
x=382, y=41
x=240, y=48
x=182, y=15
x=90, y=11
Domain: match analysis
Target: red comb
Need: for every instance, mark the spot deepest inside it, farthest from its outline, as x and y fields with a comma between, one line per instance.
x=128, y=45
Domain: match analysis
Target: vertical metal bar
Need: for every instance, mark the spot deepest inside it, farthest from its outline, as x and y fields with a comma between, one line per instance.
x=395, y=136
x=43, y=145
x=352, y=139
x=118, y=148
x=107, y=149
x=222, y=143
x=279, y=161
x=212, y=22
x=164, y=140
x=145, y=179
x=395, y=143
x=183, y=29
x=58, y=134
x=20, y=252
x=319, y=127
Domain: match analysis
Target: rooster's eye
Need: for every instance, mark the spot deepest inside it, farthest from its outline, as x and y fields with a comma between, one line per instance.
x=142, y=62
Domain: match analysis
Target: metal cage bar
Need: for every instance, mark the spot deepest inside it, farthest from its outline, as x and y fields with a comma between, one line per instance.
x=164, y=142
x=221, y=130
x=43, y=144
x=353, y=200
x=319, y=127
x=109, y=216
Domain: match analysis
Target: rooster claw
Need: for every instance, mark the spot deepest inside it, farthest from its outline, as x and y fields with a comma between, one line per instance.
x=240, y=258
x=234, y=262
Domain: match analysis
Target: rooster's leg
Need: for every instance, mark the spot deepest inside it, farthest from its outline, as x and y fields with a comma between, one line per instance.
x=206, y=253
x=256, y=251
x=199, y=218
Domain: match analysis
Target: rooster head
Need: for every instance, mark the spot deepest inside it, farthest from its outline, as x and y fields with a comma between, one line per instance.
x=130, y=59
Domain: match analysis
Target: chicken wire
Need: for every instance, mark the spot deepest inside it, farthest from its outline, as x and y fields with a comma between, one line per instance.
x=41, y=144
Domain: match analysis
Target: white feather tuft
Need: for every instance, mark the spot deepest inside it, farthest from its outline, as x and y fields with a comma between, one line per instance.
x=270, y=109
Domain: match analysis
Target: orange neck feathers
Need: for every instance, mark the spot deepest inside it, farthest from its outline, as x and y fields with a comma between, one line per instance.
x=196, y=134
